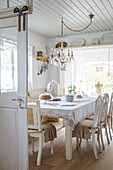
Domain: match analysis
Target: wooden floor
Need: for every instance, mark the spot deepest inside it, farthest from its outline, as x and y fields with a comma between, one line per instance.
x=83, y=158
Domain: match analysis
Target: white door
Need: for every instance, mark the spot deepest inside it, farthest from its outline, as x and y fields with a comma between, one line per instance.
x=13, y=92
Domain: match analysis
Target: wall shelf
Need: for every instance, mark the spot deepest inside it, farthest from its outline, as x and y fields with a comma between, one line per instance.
x=43, y=59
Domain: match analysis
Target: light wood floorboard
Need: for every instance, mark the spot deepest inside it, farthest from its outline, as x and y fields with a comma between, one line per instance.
x=83, y=158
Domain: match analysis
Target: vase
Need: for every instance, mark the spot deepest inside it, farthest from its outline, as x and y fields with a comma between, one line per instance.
x=69, y=97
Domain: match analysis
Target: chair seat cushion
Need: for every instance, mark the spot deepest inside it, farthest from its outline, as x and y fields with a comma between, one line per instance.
x=49, y=119
x=50, y=131
x=86, y=123
x=48, y=128
x=82, y=130
x=90, y=117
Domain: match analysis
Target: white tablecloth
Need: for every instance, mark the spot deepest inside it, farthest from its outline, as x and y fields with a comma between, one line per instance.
x=81, y=109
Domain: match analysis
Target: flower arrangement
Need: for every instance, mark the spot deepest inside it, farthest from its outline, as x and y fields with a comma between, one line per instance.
x=71, y=89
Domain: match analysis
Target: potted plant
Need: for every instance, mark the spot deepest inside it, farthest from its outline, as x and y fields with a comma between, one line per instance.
x=70, y=96
x=71, y=89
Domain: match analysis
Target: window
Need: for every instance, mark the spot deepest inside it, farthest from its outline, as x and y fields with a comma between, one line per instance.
x=90, y=67
x=9, y=70
x=8, y=55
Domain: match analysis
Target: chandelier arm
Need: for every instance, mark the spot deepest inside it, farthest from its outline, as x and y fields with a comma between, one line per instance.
x=78, y=30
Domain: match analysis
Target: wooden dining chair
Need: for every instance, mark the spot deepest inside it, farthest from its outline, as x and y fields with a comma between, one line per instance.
x=103, y=118
x=110, y=115
x=94, y=126
x=39, y=130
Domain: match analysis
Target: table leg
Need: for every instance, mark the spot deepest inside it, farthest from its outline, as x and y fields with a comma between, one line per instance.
x=68, y=140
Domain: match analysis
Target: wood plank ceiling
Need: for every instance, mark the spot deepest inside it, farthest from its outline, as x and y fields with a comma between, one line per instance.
x=46, y=16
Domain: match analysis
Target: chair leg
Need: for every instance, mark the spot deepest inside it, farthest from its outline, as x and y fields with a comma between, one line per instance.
x=106, y=133
x=39, y=156
x=80, y=142
x=111, y=123
x=77, y=142
x=87, y=142
x=94, y=146
x=32, y=144
x=98, y=139
x=103, y=147
x=52, y=147
x=108, y=120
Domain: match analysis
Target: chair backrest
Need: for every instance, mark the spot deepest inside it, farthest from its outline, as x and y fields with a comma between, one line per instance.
x=105, y=107
x=36, y=115
x=111, y=106
x=98, y=111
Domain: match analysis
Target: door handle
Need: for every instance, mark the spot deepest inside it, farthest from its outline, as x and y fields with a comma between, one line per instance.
x=20, y=100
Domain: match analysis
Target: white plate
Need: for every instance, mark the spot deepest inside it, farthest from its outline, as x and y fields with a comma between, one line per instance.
x=94, y=41
x=107, y=38
x=77, y=42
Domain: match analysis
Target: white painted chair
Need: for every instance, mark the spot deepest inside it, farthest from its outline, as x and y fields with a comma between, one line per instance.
x=110, y=115
x=103, y=119
x=94, y=126
x=36, y=130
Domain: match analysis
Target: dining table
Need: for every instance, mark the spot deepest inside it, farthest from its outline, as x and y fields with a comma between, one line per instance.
x=72, y=113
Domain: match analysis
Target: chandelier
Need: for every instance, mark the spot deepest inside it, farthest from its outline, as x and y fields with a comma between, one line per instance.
x=61, y=56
